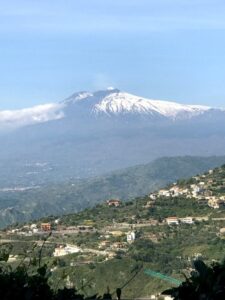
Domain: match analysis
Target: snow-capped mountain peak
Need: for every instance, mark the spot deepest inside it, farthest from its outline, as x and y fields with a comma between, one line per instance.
x=113, y=102
x=124, y=103
x=110, y=102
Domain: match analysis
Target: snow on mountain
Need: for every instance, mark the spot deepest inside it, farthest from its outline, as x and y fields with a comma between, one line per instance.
x=114, y=102
x=123, y=103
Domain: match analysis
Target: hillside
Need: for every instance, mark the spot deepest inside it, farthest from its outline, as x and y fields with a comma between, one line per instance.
x=18, y=204
x=171, y=228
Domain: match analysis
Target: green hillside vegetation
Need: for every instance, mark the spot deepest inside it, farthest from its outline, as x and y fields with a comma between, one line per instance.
x=76, y=195
x=168, y=249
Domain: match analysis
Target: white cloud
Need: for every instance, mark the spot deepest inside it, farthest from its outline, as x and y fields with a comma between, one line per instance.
x=11, y=119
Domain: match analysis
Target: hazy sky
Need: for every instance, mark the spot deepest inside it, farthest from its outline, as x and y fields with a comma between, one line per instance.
x=162, y=49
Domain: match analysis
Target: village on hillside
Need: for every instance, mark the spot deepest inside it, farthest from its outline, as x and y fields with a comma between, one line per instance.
x=202, y=188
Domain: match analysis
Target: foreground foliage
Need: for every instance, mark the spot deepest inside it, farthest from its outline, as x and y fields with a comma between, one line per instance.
x=30, y=280
x=19, y=284
x=205, y=283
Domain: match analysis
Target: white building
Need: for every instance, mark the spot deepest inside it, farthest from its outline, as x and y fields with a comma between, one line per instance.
x=12, y=258
x=213, y=202
x=172, y=221
x=61, y=250
x=164, y=193
x=195, y=188
x=222, y=230
x=175, y=191
x=152, y=196
x=131, y=237
x=33, y=226
x=187, y=220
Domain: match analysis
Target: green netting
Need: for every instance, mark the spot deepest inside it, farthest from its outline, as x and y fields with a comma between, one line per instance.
x=163, y=277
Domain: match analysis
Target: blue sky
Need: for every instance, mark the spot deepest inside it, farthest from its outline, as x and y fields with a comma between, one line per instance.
x=162, y=49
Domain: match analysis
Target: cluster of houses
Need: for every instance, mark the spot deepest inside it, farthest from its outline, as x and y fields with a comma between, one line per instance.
x=106, y=243
x=26, y=230
x=43, y=228
x=199, y=190
x=106, y=246
x=29, y=230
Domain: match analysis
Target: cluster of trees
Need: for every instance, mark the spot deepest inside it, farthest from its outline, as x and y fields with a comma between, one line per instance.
x=205, y=283
x=19, y=284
